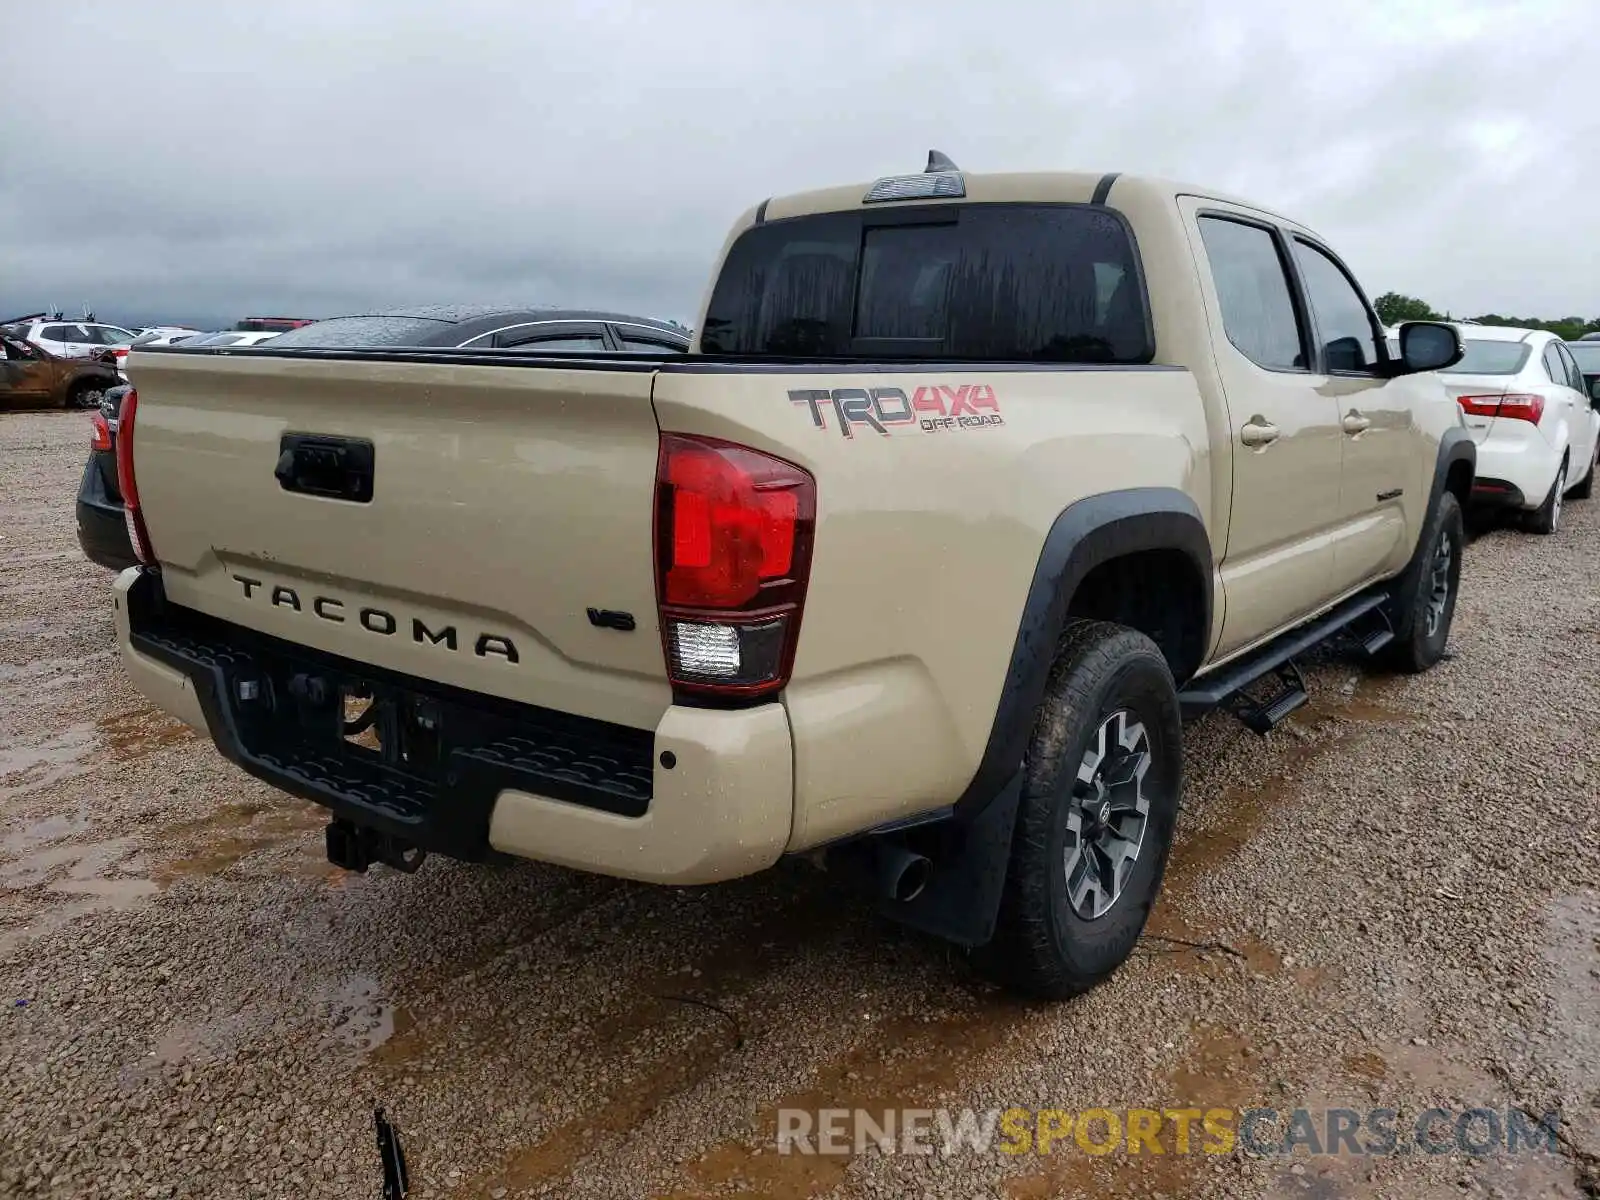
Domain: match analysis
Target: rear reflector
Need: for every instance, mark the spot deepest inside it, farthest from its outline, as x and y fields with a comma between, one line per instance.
x=1514, y=407
x=733, y=554
x=138, y=534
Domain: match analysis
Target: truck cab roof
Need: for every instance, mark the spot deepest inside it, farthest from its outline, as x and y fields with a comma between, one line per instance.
x=1014, y=187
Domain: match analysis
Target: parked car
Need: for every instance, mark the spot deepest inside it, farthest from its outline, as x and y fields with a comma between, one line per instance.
x=33, y=377
x=972, y=488
x=543, y=331
x=231, y=337
x=78, y=339
x=164, y=335
x=1525, y=400
x=102, y=524
x=1586, y=354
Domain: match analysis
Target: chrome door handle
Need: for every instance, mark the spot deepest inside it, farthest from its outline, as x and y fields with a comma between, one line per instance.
x=1258, y=432
x=1355, y=423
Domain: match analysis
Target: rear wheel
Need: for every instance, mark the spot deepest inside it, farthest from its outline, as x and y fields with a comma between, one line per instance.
x=1423, y=630
x=1547, y=517
x=1100, y=801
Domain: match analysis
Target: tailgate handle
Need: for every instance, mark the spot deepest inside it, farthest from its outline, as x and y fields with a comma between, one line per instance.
x=315, y=464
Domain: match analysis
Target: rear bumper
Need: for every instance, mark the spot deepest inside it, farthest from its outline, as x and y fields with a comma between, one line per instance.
x=102, y=531
x=1497, y=493
x=512, y=781
x=1515, y=472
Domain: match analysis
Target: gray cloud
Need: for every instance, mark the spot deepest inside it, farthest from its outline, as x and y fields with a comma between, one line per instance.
x=206, y=160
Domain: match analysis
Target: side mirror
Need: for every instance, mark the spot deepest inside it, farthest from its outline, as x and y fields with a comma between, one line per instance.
x=1428, y=346
x=1594, y=390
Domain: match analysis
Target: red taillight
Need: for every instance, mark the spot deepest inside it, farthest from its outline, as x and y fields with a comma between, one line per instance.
x=137, y=533
x=1514, y=407
x=733, y=554
x=99, y=432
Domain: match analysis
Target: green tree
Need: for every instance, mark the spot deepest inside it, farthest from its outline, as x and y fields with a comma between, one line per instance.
x=1393, y=308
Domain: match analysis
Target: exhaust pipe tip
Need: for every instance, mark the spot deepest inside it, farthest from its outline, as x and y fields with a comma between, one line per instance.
x=911, y=878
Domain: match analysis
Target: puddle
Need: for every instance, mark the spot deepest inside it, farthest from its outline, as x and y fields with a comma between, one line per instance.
x=362, y=1018
x=38, y=766
x=48, y=674
x=141, y=731
x=201, y=1043
x=231, y=833
x=42, y=833
x=94, y=879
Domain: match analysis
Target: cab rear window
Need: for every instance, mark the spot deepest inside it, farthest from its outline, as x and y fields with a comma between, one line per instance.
x=994, y=282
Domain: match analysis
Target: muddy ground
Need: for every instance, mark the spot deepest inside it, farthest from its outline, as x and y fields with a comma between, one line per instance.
x=1393, y=902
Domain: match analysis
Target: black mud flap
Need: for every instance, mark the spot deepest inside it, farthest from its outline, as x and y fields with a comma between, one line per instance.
x=961, y=902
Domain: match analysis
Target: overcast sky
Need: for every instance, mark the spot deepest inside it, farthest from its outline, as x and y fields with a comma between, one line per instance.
x=198, y=161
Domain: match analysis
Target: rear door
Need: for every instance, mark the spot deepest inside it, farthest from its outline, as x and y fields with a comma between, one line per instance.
x=1278, y=564
x=1565, y=407
x=1584, y=416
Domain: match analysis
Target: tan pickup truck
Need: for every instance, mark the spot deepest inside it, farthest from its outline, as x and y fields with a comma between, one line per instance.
x=971, y=489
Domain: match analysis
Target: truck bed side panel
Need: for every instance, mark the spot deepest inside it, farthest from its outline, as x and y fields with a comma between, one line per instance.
x=928, y=535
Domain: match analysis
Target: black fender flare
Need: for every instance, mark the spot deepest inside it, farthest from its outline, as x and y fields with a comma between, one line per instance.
x=1087, y=533
x=1455, y=446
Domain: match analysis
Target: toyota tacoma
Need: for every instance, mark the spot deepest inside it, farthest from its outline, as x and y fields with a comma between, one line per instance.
x=971, y=489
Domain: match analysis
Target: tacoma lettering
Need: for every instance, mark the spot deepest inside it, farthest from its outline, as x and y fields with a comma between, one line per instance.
x=381, y=621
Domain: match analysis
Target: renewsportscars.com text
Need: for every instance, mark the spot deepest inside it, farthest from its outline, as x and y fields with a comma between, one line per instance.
x=1098, y=1131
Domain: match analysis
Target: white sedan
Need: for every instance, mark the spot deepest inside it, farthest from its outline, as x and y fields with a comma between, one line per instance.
x=1526, y=405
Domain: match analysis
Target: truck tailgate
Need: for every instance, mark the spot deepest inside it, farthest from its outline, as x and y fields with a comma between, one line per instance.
x=507, y=502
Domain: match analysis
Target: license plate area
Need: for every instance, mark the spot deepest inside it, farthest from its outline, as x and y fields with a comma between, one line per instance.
x=288, y=714
x=380, y=723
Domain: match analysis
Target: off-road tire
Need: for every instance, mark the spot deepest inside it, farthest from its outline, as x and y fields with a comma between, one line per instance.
x=1042, y=946
x=1419, y=641
x=1546, y=519
x=1585, y=488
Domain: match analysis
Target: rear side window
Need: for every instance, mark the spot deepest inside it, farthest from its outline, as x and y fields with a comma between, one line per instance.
x=591, y=343
x=644, y=345
x=1574, y=376
x=999, y=282
x=363, y=331
x=1253, y=289
x=1554, y=367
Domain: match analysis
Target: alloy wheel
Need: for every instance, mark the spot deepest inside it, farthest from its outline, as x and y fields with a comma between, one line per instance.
x=1439, y=583
x=1106, y=824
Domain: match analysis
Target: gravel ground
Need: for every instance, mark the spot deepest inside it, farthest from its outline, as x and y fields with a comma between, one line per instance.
x=1394, y=901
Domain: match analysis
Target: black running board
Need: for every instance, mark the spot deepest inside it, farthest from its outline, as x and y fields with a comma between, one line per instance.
x=1218, y=688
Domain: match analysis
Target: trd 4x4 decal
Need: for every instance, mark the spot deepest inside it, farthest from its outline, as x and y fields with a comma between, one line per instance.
x=928, y=409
